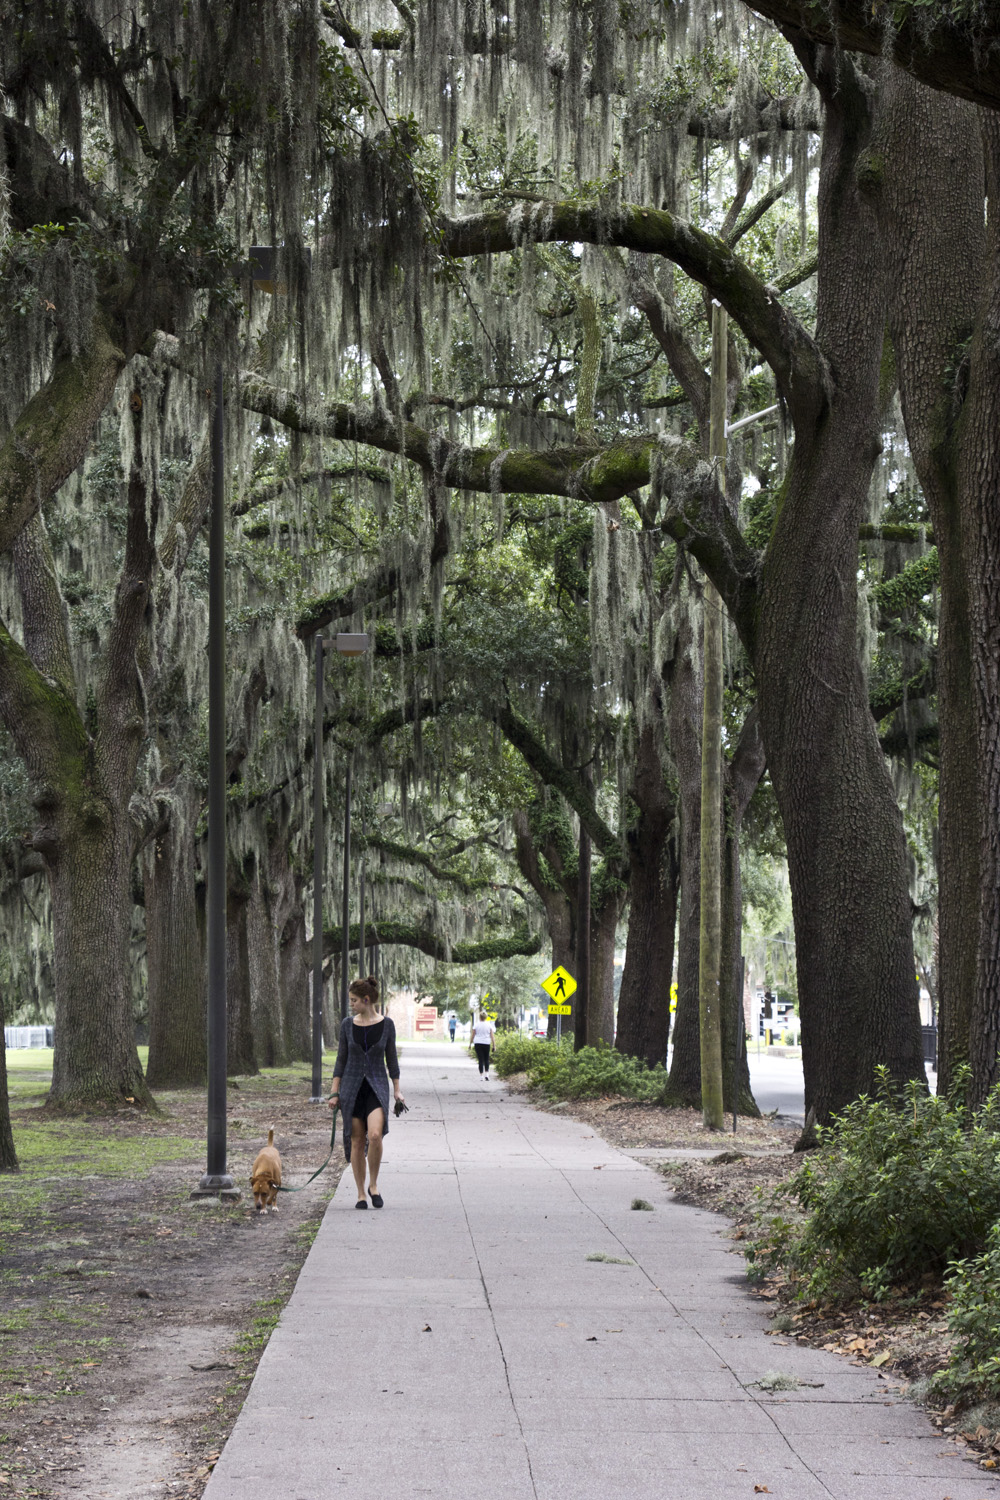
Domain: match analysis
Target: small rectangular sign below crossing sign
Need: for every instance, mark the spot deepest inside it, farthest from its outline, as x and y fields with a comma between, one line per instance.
x=560, y=1010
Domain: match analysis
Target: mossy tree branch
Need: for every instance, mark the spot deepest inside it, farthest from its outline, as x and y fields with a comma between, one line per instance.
x=936, y=48
x=799, y=367
x=521, y=735
x=42, y=717
x=909, y=587
x=894, y=696
x=51, y=435
x=407, y=854
x=410, y=935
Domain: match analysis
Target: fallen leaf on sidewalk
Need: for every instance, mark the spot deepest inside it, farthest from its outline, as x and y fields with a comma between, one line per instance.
x=761, y=1489
x=426, y=1328
x=592, y=1339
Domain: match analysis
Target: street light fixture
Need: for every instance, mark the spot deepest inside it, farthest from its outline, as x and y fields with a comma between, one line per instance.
x=346, y=644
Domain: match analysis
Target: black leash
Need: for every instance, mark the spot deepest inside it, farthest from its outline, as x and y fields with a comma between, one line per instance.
x=333, y=1142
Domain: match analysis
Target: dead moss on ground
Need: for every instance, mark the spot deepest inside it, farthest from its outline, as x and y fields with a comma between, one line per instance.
x=628, y=1124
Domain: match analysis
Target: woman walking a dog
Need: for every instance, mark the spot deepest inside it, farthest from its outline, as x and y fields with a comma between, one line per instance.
x=361, y=1087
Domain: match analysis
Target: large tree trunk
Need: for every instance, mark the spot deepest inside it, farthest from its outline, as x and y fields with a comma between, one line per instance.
x=95, y=1062
x=294, y=982
x=654, y=874
x=84, y=783
x=742, y=776
x=8, y=1154
x=554, y=884
x=601, y=1010
x=979, y=477
x=175, y=959
x=931, y=212
x=240, y=1057
x=586, y=1001
x=684, y=673
x=293, y=956
x=846, y=849
x=262, y=954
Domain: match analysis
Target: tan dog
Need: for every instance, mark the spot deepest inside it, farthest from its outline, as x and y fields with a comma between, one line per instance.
x=265, y=1178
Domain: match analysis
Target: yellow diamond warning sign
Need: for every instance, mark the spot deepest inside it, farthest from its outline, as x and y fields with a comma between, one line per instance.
x=559, y=985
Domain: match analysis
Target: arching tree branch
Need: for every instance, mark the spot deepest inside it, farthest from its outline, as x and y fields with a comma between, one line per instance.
x=798, y=365
x=409, y=935
x=960, y=58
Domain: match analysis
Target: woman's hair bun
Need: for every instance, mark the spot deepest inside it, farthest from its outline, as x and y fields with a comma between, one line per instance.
x=366, y=987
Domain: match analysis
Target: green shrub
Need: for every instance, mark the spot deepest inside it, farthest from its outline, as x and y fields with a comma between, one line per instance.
x=595, y=1071
x=517, y=1053
x=903, y=1184
x=973, y=1372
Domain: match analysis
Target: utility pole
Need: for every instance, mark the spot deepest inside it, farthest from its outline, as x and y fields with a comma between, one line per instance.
x=709, y=968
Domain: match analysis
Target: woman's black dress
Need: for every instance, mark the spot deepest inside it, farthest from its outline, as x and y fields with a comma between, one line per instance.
x=364, y=1054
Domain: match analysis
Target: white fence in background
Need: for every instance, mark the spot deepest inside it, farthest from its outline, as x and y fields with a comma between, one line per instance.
x=27, y=1036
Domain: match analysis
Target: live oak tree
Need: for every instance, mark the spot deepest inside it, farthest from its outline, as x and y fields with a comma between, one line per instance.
x=849, y=887
x=482, y=379
x=128, y=141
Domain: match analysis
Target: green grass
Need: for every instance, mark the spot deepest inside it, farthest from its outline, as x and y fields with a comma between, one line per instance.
x=45, y=1148
x=29, y=1074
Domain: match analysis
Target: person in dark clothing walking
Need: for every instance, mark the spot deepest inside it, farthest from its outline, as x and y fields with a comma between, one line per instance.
x=361, y=1087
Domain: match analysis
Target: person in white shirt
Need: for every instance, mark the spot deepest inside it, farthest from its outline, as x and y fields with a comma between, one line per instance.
x=484, y=1039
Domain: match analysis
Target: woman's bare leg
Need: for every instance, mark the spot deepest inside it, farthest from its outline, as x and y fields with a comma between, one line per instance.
x=358, y=1156
x=376, y=1125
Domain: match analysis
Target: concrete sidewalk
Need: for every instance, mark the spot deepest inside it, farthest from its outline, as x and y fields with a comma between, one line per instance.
x=460, y=1343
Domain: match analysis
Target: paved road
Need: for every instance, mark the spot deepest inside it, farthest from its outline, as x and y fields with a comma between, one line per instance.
x=777, y=1083
x=461, y=1344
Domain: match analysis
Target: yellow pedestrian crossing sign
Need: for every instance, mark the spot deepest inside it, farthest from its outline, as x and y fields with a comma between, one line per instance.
x=559, y=986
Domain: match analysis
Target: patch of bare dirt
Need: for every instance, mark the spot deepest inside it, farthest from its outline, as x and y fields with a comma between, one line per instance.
x=131, y=1317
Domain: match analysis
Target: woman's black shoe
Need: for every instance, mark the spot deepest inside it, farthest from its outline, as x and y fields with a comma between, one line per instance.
x=376, y=1199
x=361, y=1203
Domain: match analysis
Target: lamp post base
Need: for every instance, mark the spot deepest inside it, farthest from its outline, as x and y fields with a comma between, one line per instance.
x=219, y=1185
x=317, y=1099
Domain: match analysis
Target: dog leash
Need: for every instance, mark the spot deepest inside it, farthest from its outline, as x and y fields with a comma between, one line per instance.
x=333, y=1142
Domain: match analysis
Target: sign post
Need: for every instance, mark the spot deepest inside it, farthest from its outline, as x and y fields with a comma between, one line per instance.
x=559, y=986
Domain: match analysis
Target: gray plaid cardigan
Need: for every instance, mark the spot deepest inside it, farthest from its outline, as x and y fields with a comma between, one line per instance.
x=353, y=1065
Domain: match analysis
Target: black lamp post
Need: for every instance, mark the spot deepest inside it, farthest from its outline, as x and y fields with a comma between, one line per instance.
x=217, y=1181
x=346, y=644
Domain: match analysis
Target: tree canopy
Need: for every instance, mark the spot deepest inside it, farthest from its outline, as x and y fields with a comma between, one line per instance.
x=468, y=412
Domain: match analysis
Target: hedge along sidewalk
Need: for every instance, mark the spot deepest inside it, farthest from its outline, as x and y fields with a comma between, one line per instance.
x=509, y=1325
